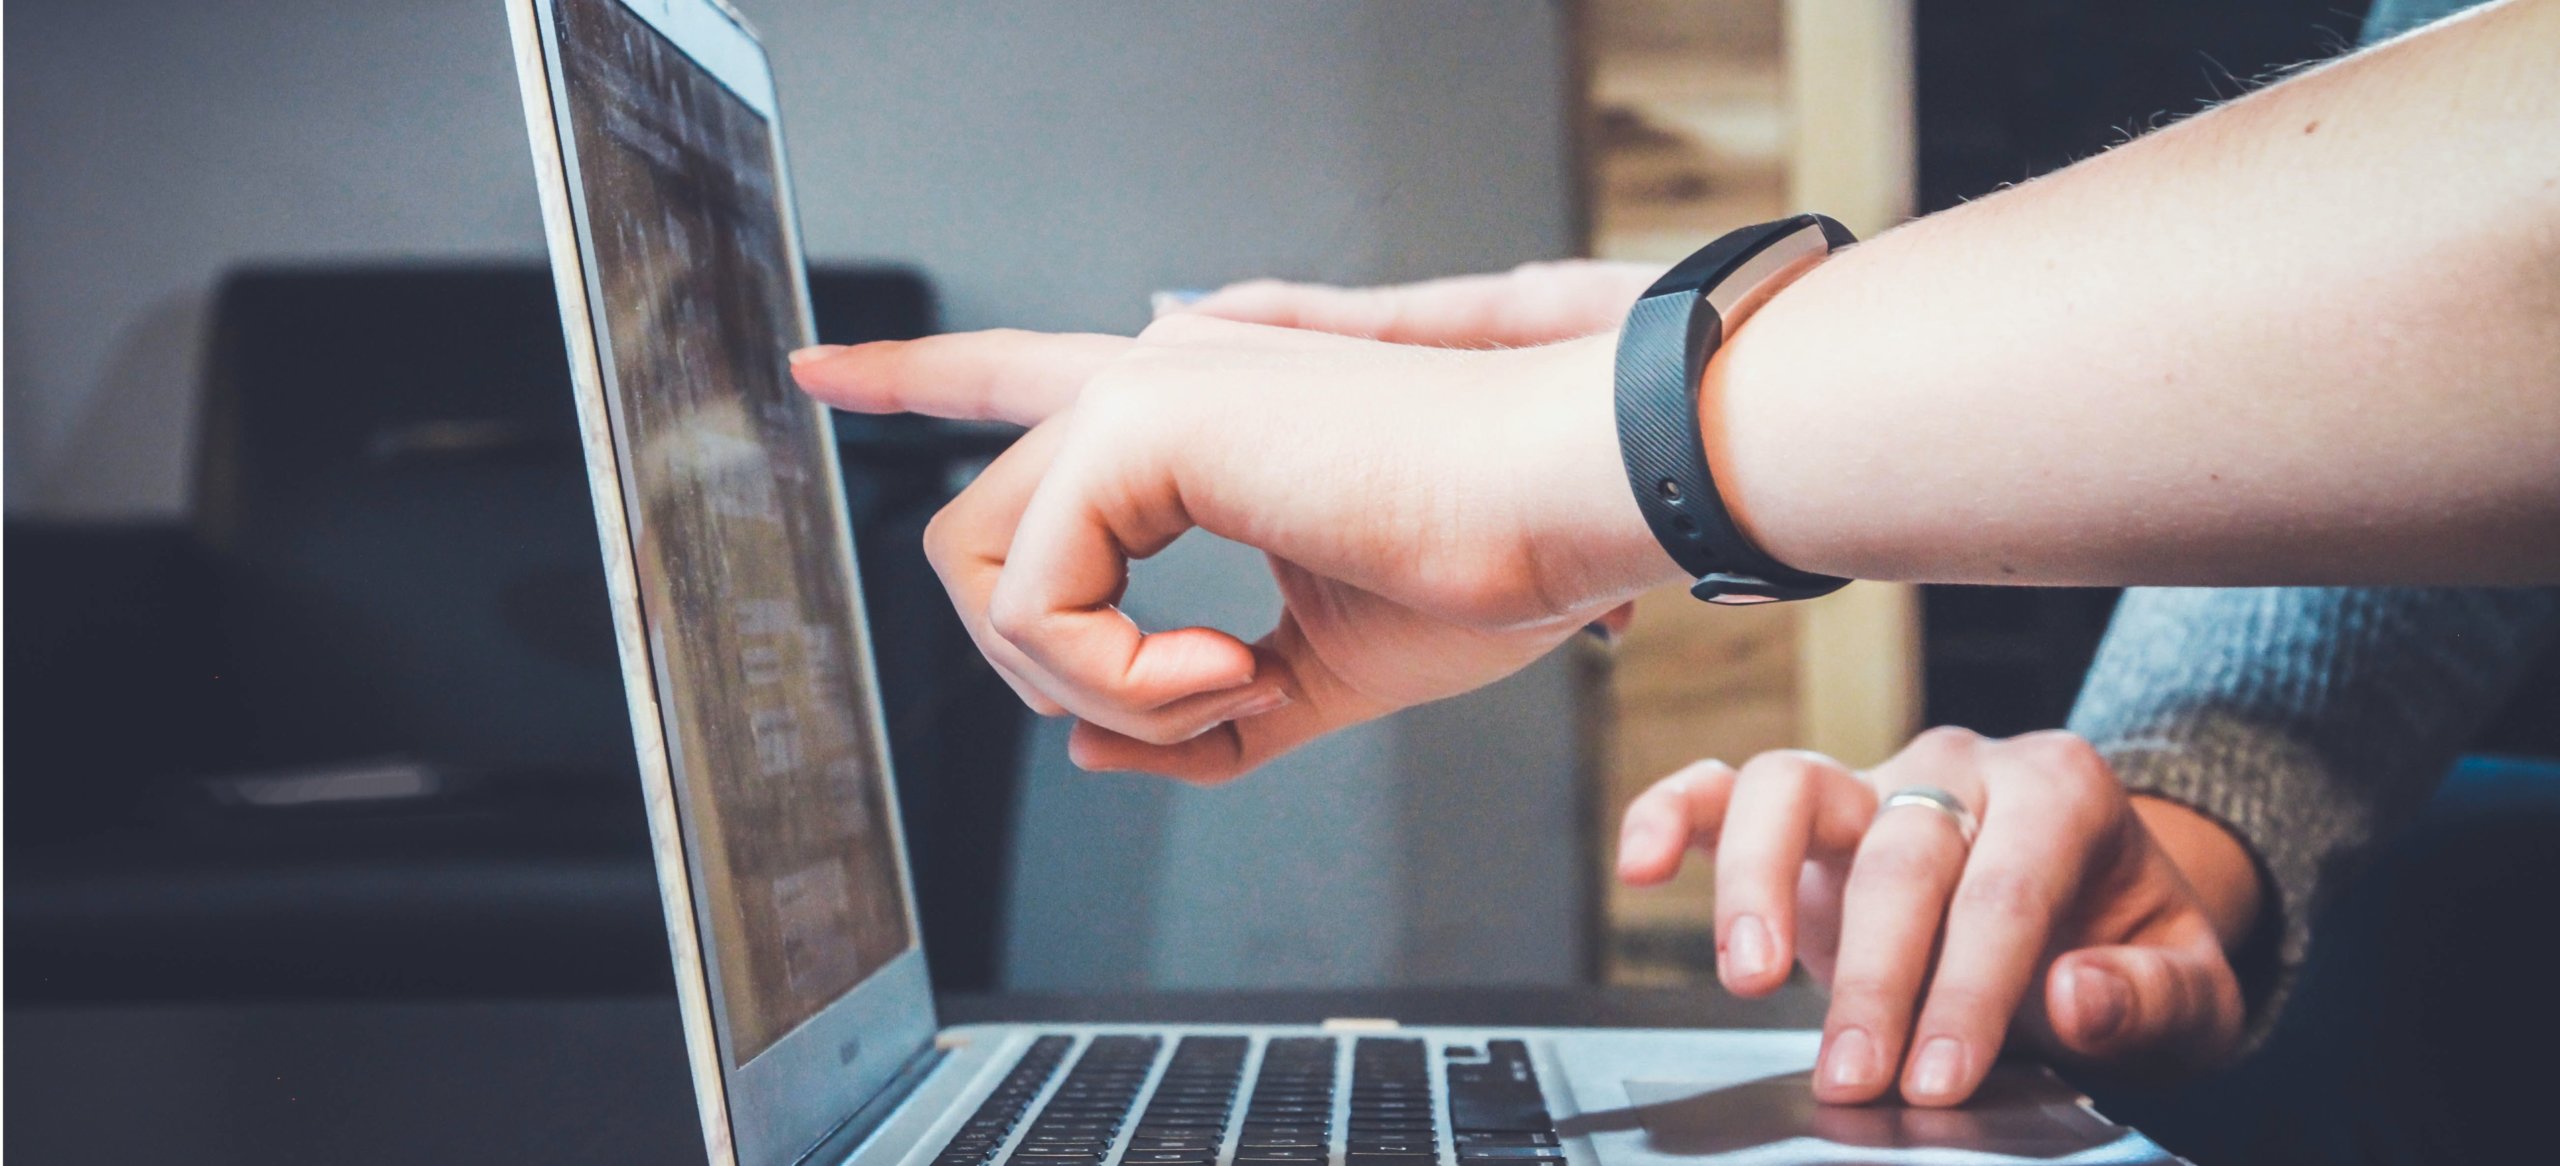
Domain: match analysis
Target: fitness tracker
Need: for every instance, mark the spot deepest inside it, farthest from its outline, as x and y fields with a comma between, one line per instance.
x=1662, y=354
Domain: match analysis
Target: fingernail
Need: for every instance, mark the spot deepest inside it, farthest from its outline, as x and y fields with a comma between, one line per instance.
x=1747, y=947
x=815, y=352
x=2105, y=1001
x=1850, y=1062
x=1941, y=1061
x=1271, y=701
x=1174, y=299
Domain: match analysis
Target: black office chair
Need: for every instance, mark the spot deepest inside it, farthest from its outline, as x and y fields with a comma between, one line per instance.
x=391, y=755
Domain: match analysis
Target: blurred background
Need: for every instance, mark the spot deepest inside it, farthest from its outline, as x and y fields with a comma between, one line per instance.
x=311, y=689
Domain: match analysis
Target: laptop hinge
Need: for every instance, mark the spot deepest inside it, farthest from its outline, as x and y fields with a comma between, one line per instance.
x=840, y=1143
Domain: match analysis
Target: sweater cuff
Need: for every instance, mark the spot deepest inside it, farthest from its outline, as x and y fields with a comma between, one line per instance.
x=2240, y=776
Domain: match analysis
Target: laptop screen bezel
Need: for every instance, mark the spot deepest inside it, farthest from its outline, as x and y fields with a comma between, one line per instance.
x=790, y=1095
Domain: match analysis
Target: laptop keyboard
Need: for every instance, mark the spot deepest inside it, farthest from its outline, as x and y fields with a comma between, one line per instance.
x=1291, y=1117
x=1083, y=1118
x=1186, y=1119
x=1295, y=1116
x=987, y=1129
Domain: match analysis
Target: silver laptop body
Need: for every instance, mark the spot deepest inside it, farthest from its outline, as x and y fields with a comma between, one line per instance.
x=808, y=1018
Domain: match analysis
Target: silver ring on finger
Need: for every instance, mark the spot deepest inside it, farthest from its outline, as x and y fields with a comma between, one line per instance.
x=1932, y=797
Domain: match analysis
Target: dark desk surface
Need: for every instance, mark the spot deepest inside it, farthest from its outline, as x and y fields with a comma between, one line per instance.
x=588, y=1080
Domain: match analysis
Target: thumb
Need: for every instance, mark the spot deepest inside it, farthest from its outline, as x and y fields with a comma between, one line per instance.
x=2176, y=1004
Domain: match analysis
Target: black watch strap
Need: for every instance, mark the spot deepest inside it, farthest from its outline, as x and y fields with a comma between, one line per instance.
x=1662, y=354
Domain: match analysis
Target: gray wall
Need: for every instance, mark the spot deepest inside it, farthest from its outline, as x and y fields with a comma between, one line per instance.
x=1047, y=164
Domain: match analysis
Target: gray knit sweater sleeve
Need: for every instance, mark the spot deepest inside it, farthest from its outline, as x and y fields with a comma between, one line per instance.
x=2310, y=721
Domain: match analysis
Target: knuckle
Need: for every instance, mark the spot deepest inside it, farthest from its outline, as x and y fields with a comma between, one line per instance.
x=1013, y=619
x=2004, y=892
x=2063, y=754
x=1944, y=740
x=2067, y=772
x=939, y=533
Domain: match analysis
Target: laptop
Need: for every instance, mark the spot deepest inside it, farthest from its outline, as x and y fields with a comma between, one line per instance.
x=808, y=1019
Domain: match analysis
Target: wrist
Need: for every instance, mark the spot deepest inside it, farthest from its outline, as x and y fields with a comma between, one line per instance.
x=1582, y=530
x=2214, y=861
x=1753, y=404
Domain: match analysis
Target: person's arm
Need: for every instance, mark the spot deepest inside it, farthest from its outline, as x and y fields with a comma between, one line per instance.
x=2233, y=351
x=2312, y=336
x=2301, y=723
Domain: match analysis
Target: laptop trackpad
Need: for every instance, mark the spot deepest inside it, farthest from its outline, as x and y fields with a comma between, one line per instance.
x=2019, y=1112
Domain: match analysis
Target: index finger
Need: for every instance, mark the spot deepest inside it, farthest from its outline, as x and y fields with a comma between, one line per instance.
x=1000, y=375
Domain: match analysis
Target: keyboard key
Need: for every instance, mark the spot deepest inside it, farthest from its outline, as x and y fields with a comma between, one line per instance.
x=1501, y=1095
x=1476, y=1153
x=1360, y=1159
x=1318, y=1132
x=1251, y=1140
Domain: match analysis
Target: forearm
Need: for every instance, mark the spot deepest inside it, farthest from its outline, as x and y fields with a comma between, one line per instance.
x=2312, y=336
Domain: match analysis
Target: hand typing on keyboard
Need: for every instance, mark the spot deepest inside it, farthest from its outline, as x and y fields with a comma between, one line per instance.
x=2092, y=924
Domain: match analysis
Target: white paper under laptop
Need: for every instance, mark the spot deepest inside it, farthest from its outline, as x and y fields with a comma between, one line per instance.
x=808, y=1017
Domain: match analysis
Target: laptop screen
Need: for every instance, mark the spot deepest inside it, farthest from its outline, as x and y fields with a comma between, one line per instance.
x=740, y=548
